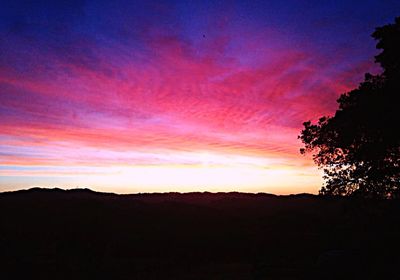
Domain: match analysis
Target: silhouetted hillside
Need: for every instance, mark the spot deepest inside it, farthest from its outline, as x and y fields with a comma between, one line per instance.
x=77, y=234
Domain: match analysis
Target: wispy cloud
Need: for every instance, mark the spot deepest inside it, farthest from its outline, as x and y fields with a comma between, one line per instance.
x=147, y=87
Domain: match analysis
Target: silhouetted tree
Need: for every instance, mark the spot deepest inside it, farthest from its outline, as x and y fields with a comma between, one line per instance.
x=359, y=147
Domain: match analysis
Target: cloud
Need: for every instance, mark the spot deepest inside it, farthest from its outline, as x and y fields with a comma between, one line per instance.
x=143, y=86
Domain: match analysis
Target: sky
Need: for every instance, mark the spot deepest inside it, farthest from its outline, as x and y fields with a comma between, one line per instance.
x=163, y=96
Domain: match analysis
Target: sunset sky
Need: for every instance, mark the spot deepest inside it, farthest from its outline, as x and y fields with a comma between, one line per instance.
x=157, y=96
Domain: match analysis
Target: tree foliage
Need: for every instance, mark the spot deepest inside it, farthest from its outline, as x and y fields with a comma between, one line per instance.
x=359, y=147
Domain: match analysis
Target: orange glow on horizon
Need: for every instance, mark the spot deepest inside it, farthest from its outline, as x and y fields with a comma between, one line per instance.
x=211, y=172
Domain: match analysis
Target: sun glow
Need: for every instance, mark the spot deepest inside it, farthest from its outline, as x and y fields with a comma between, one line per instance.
x=204, y=177
x=180, y=172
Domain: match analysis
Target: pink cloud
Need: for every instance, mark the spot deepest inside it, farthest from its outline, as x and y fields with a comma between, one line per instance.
x=171, y=101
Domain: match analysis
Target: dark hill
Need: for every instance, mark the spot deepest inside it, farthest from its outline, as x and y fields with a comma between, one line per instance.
x=80, y=234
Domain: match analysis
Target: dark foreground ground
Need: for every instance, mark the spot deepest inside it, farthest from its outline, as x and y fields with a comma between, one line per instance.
x=80, y=234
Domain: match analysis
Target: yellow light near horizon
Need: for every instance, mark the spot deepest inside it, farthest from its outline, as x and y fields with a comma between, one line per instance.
x=205, y=177
x=179, y=172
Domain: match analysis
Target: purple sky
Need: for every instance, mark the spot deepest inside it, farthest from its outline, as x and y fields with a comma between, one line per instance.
x=148, y=96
